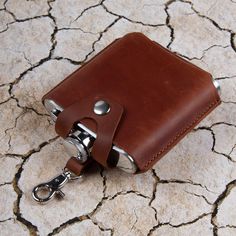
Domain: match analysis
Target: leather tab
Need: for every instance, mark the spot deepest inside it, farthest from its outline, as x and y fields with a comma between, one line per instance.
x=74, y=166
x=106, y=124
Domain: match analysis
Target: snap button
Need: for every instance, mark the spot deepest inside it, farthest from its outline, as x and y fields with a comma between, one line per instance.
x=101, y=108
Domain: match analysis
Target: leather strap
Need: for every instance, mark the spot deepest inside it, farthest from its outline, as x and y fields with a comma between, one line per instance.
x=106, y=125
x=75, y=166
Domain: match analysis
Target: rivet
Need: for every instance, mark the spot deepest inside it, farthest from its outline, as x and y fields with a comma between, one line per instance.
x=101, y=107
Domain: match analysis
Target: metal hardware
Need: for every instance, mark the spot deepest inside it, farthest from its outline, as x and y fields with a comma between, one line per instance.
x=101, y=108
x=87, y=137
x=125, y=162
x=79, y=145
x=44, y=192
x=217, y=86
x=53, y=108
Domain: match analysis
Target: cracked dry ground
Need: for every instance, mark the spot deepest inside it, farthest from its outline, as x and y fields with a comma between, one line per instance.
x=191, y=191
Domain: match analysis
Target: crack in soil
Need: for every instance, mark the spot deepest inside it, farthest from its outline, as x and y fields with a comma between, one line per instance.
x=126, y=18
x=176, y=226
x=218, y=202
x=32, y=228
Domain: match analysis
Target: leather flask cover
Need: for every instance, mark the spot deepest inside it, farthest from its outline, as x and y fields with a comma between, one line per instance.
x=156, y=98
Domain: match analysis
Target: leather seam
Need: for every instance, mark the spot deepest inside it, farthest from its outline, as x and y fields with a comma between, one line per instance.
x=183, y=131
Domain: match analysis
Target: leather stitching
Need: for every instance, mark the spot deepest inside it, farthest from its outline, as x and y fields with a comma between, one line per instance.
x=183, y=131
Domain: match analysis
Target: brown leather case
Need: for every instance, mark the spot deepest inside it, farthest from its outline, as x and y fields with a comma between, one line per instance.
x=162, y=95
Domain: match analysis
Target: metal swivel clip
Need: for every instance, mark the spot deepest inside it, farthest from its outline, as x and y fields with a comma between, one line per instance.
x=44, y=192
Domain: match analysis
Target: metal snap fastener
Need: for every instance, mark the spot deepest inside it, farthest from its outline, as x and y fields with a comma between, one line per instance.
x=101, y=108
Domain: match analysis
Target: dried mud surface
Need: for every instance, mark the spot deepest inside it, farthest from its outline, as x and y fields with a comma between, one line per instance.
x=192, y=191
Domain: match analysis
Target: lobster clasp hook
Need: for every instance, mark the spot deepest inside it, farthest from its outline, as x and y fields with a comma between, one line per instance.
x=44, y=192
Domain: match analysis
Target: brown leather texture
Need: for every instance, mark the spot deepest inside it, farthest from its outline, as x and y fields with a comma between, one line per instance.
x=75, y=166
x=163, y=95
x=106, y=125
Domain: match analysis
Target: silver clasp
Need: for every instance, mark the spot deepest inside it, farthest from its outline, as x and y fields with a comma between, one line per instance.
x=44, y=192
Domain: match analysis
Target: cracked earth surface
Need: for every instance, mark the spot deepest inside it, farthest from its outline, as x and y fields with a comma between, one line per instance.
x=191, y=191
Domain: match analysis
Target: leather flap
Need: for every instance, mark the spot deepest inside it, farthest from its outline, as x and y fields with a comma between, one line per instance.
x=106, y=125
